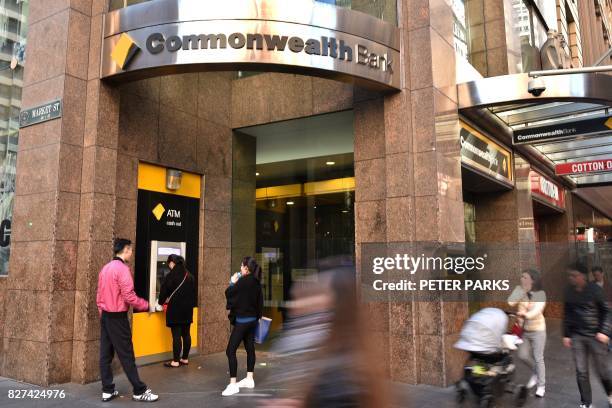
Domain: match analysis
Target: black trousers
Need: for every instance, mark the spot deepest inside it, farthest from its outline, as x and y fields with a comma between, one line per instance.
x=583, y=348
x=178, y=333
x=116, y=336
x=241, y=333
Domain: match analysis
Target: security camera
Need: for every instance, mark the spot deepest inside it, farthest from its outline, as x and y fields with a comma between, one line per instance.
x=536, y=86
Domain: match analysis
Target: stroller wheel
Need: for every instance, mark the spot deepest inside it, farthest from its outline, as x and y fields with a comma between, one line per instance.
x=461, y=392
x=486, y=402
x=521, y=395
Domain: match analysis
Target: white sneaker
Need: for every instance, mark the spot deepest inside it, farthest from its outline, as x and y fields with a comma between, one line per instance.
x=246, y=383
x=585, y=406
x=107, y=396
x=532, y=381
x=146, y=396
x=540, y=391
x=231, y=389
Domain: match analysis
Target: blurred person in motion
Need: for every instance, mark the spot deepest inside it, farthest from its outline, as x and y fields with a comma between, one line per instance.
x=530, y=300
x=326, y=344
x=245, y=303
x=587, y=326
x=600, y=279
x=178, y=293
x=114, y=298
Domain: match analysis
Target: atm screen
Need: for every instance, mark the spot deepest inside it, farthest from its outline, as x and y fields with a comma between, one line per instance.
x=168, y=251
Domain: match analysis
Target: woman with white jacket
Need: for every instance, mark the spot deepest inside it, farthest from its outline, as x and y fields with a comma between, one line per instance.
x=530, y=301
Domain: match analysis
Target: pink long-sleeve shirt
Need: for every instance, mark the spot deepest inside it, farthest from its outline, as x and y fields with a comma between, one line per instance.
x=116, y=289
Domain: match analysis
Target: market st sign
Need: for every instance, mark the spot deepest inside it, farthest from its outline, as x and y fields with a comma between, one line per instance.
x=309, y=38
x=585, y=167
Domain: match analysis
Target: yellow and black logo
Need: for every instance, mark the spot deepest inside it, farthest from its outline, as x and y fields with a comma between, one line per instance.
x=159, y=211
x=124, y=51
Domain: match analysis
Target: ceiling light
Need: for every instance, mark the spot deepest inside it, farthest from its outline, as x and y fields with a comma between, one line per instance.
x=290, y=203
x=330, y=163
x=257, y=174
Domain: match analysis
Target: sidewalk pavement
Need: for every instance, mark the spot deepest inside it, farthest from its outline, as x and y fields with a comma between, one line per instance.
x=200, y=385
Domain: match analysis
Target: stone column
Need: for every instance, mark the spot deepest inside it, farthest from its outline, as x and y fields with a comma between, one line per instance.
x=42, y=283
x=410, y=140
x=101, y=181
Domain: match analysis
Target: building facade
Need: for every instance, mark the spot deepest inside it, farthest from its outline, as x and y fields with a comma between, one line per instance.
x=289, y=165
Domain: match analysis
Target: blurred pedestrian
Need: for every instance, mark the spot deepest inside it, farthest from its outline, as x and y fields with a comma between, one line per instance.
x=114, y=298
x=333, y=363
x=245, y=303
x=587, y=327
x=179, y=296
x=600, y=278
x=530, y=300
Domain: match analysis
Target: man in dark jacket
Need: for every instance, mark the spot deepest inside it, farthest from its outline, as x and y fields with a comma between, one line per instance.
x=587, y=327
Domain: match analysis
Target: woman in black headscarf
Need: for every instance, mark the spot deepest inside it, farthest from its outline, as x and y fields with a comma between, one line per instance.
x=179, y=296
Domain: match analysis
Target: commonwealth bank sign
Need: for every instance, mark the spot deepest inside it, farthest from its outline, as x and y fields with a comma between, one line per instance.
x=305, y=37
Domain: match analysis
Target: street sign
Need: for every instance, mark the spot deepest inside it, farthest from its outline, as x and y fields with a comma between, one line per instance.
x=48, y=111
x=565, y=130
x=585, y=167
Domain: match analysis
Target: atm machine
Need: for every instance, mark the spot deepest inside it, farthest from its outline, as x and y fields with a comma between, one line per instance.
x=160, y=250
x=167, y=222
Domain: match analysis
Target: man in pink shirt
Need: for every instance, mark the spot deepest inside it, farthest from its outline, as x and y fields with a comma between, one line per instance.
x=114, y=298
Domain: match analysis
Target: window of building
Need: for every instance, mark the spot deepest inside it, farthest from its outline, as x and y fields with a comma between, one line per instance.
x=293, y=200
x=383, y=9
x=530, y=31
x=13, y=33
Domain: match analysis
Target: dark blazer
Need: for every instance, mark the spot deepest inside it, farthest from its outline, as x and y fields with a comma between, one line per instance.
x=586, y=312
x=244, y=298
x=180, y=308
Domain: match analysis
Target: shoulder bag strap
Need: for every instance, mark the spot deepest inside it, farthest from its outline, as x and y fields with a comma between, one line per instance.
x=177, y=288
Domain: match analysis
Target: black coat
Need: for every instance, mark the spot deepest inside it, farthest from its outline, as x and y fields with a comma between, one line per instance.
x=180, y=307
x=587, y=312
x=244, y=298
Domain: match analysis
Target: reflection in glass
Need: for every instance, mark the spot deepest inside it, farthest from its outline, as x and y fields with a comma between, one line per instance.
x=293, y=201
x=383, y=9
x=13, y=33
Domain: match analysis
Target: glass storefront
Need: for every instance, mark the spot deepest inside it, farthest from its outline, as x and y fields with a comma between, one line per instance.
x=293, y=204
x=383, y=9
x=13, y=32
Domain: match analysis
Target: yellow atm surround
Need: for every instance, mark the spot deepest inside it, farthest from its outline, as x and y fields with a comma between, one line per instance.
x=152, y=339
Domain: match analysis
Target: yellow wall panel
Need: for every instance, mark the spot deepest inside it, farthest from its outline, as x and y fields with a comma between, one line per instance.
x=153, y=178
x=151, y=336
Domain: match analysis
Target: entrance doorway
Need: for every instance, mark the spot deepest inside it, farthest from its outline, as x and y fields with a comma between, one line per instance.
x=298, y=214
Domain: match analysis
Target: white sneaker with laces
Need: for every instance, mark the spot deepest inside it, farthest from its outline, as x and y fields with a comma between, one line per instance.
x=532, y=381
x=540, y=391
x=107, y=396
x=585, y=406
x=246, y=383
x=146, y=396
x=231, y=389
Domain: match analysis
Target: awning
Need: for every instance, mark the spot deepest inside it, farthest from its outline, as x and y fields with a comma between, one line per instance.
x=569, y=122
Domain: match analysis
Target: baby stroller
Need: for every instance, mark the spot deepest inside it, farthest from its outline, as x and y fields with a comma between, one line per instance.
x=489, y=371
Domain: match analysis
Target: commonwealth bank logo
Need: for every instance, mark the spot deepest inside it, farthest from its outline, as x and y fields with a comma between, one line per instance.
x=124, y=51
x=159, y=211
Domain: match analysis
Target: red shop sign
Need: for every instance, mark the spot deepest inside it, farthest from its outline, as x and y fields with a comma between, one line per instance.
x=547, y=190
x=585, y=167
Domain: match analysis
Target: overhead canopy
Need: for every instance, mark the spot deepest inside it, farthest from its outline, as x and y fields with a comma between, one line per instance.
x=569, y=122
